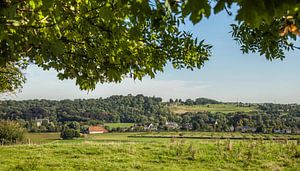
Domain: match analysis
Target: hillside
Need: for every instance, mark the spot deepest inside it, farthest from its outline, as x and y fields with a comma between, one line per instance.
x=200, y=114
x=213, y=108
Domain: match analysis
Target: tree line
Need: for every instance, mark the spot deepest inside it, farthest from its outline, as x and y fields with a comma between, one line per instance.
x=142, y=110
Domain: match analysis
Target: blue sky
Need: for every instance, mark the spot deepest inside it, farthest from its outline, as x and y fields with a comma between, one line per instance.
x=227, y=76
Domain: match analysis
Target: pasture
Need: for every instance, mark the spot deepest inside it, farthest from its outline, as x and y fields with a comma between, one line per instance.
x=213, y=108
x=118, y=125
x=127, y=151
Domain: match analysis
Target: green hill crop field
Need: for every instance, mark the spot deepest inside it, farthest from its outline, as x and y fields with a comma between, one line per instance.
x=213, y=108
x=129, y=151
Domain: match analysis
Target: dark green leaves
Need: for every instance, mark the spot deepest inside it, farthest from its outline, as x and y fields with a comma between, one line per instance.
x=95, y=41
x=220, y=6
x=196, y=9
x=254, y=12
x=265, y=40
x=99, y=41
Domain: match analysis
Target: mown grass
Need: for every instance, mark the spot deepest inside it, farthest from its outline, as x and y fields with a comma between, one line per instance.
x=115, y=151
x=213, y=108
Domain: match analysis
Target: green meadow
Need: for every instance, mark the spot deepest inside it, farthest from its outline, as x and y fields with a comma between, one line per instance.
x=213, y=108
x=118, y=125
x=127, y=151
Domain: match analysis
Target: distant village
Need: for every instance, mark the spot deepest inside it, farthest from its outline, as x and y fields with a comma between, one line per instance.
x=167, y=126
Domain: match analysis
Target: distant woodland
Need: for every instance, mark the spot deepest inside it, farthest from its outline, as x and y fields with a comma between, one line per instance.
x=142, y=110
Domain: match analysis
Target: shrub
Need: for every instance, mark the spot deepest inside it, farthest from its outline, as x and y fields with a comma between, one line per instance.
x=68, y=133
x=11, y=132
x=74, y=125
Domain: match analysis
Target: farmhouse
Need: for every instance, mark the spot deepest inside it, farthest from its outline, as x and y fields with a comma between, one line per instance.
x=96, y=130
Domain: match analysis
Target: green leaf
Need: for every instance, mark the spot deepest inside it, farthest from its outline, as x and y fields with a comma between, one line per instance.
x=219, y=6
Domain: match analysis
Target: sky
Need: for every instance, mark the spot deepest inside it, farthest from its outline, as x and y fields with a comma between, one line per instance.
x=229, y=75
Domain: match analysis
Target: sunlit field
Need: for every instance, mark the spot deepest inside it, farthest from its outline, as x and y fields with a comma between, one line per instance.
x=127, y=151
x=213, y=108
x=118, y=125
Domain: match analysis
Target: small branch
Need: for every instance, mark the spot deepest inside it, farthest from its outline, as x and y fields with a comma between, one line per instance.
x=228, y=12
x=296, y=47
x=100, y=27
x=64, y=39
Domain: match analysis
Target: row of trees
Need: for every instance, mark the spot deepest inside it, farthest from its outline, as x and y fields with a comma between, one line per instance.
x=113, y=109
x=246, y=122
x=197, y=101
x=144, y=110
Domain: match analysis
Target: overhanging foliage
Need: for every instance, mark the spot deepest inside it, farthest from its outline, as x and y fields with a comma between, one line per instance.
x=95, y=41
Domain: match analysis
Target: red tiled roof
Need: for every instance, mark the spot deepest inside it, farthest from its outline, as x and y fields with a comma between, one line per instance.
x=97, y=129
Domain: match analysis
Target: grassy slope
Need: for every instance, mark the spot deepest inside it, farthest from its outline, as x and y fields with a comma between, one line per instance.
x=118, y=152
x=224, y=108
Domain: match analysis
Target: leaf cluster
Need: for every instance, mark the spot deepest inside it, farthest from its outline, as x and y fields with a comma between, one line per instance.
x=95, y=41
x=11, y=78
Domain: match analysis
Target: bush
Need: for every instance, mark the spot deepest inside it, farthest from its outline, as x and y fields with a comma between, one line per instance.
x=68, y=133
x=11, y=132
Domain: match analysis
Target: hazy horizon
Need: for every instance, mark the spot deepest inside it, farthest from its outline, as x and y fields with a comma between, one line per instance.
x=14, y=97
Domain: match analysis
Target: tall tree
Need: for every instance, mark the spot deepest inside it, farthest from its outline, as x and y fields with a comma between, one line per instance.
x=107, y=40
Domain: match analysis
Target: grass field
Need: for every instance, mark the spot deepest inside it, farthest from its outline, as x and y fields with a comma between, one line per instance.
x=116, y=151
x=213, y=108
x=119, y=125
x=41, y=138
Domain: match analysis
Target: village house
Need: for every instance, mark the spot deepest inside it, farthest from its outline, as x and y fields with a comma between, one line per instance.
x=39, y=122
x=171, y=125
x=288, y=131
x=96, y=130
x=137, y=128
x=277, y=131
x=245, y=129
x=282, y=131
x=231, y=128
x=150, y=127
x=187, y=126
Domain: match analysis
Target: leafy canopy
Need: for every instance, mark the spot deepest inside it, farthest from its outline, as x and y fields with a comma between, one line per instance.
x=95, y=41
x=11, y=78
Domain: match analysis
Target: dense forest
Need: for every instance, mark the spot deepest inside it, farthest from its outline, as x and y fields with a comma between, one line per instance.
x=143, y=110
